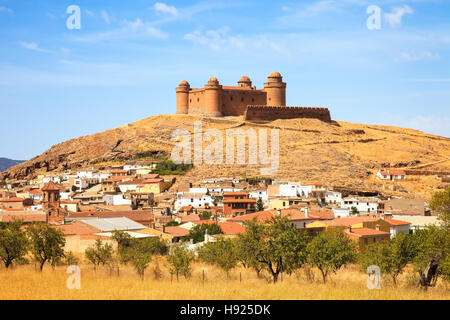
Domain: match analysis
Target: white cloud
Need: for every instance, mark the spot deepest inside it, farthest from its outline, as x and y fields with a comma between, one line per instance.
x=416, y=56
x=33, y=46
x=105, y=16
x=5, y=9
x=51, y=16
x=394, y=19
x=286, y=8
x=164, y=8
x=128, y=30
x=218, y=40
x=90, y=13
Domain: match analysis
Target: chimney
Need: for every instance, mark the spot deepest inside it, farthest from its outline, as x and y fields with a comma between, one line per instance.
x=377, y=227
x=278, y=212
x=306, y=213
x=382, y=216
x=350, y=229
x=206, y=236
x=164, y=228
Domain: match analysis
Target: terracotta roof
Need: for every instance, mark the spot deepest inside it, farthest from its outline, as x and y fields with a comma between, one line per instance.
x=148, y=181
x=230, y=228
x=346, y=221
x=77, y=228
x=294, y=214
x=135, y=215
x=191, y=217
x=236, y=193
x=151, y=176
x=51, y=186
x=239, y=201
x=321, y=215
x=186, y=208
x=396, y=222
x=131, y=182
x=364, y=232
x=24, y=217
x=35, y=191
x=14, y=199
x=177, y=231
x=408, y=213
x=387, y=172
x=259, y=216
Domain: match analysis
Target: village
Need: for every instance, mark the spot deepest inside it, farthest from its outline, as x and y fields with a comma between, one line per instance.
x=89, y=204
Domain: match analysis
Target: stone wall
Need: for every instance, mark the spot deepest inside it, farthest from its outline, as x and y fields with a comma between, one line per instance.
x=270, y=113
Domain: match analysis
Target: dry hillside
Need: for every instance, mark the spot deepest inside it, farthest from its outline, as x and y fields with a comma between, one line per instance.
x=338, y=153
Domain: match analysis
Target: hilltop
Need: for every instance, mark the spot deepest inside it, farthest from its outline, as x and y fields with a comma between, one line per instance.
x=337, y=153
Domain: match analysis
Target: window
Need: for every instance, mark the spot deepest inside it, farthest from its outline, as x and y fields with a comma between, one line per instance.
x=365, y=241
x=242, y=99
x=231, y=98
x=198, y=99
x=253, y=99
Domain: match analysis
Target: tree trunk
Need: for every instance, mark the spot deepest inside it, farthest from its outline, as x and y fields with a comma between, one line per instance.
x=275, y=276
x=41, y=266
x=324, y=276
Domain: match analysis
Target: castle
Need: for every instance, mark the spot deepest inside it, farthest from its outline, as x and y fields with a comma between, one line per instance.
x=269, y=103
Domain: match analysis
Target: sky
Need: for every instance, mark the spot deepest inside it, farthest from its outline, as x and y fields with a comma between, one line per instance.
x=124, y=61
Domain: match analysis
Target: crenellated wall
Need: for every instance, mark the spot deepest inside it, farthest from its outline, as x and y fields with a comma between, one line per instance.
x=270, y=113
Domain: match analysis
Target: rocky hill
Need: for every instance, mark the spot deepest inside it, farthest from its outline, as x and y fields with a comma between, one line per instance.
x=338, y=153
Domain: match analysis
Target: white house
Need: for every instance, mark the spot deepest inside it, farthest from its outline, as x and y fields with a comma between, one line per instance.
x=333, y=197
x=256, y=194
x=116, y=200
x=193, y=199
x=56, y=180
x=391, y=174
x=341, y=212
x=362, y=204
x=291, y=189
x=398, y=226
x=129, y=186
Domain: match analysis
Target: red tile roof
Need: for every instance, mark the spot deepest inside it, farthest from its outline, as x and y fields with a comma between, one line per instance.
x=396, y=222
x=177, y=231
x=77, y=228
x=51, y=186
x=14, y=199
x=364, y=232
x=239, y=201
x=231, y=228
x=259, y=216
x=24, y=217
x=346, y=221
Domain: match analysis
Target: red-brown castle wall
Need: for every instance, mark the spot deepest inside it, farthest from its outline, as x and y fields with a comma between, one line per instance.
x=270, y=113
x=234, y=102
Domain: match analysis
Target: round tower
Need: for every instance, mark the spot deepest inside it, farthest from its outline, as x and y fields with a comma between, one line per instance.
x=245, y=82
x=183, y=97
x=212, y=98
x=275, y=89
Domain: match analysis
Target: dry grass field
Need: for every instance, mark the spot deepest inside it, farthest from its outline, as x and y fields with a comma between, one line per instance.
x=25, y=282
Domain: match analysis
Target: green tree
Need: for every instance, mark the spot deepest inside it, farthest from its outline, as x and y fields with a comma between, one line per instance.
x=329, y=251
x=179, y=260
x=259, y=205
x=432, y=258
x=391, y=257
x=99, y=254
x=197, y=233
x=205, y=215
x=124, y=242
x=47, y=243
x=13, y=242
x=172, y=223
x=221, y=253
x=278, y=245
x=141, y=251
x=440, y=203
x=74, y=188
x=246, y=245
x=354, y=211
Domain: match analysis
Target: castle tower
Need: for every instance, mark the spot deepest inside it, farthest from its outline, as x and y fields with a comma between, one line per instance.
x=275, y=89
x=213, y=98
x=183, y=97
x=245, y=82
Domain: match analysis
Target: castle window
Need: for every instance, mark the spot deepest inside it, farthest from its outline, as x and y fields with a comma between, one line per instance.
x=253, y=99
x=242, y=99
x=231, y=98
x=270, y=99
x=190, y=100
x=198, y=99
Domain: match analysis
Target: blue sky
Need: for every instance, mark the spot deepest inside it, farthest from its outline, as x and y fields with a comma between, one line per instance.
x=124, y=62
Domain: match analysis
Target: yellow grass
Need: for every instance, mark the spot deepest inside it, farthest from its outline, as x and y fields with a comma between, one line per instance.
x=27, y=283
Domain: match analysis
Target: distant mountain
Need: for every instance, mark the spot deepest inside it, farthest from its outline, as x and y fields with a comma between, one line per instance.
x=5, y=163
